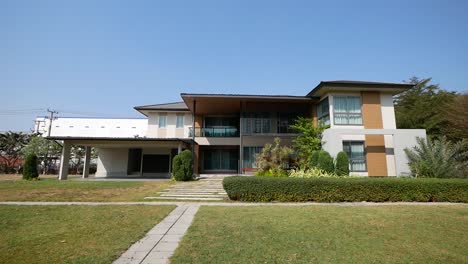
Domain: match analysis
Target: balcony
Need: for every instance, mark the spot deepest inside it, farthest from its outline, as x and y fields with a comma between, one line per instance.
x=215, y=132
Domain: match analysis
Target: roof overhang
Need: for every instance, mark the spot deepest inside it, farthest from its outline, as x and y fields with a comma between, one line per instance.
x=169, y=107
x=356, y=86
x=229, y=103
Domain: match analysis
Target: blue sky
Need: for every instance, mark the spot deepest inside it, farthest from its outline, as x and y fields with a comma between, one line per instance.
x=101, y=58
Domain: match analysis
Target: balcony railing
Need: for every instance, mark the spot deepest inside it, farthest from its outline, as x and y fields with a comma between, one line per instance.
x=215, y=132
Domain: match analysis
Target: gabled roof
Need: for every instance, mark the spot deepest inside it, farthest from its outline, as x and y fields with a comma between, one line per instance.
x=177, y=106
x=364, y=85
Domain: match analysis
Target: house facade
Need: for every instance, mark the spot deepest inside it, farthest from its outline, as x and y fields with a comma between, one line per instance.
x=226, y=131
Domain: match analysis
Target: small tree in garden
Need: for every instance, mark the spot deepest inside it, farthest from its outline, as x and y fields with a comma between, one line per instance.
x=313, y=160
x=182, y=166
x=325, y=162
x=309, y=139
x=342, y=164
x=274, y=158
x=30, y=167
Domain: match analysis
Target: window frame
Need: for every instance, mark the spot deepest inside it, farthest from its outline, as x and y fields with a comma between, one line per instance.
x=160, y=116
x=347, y=112
x=180, y=116
x=324, y=114
x=349, y=156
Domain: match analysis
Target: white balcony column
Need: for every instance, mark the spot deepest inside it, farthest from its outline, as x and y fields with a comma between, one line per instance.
x=179, y=148
x=64, y=160
x=87, y=160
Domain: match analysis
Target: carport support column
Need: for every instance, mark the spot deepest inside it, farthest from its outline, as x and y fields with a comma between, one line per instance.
x=86, y=161
x=64, y=160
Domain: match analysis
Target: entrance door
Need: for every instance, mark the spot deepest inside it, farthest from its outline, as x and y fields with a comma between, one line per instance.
x=153, y=163
x=220, y=160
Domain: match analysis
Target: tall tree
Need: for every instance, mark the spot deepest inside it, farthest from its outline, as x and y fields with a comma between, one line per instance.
x=457, y=117
x=423, y=107
x=309, y=138
x=11, y=144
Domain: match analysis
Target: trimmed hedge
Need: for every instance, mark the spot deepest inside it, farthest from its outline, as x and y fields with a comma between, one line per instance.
x=182, y=166
x=263, y=189
x=342, y=164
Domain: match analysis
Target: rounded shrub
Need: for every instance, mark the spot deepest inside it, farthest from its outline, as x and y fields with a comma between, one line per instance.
x=313, y=159
x=30, y=167
x=182, y=166
x=342, y=164
x=325, y=162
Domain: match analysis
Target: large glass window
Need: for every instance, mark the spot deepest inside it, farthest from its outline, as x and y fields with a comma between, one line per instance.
x=162, y=120
x=356, y=154
x=285, y=120
x=220, y=159
x=257, y=123
x=347, y=110
x=249, y=156
x=180, y=121
x=323, y=112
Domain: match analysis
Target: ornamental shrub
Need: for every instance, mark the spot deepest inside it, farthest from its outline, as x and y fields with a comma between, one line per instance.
x=30, y=167
x=342, y=164
x=182, y=166
x=313, y=172
x=349, y=189
x=314, y=158
x=325, y=162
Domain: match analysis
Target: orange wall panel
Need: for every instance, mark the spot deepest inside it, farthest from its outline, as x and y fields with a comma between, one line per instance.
x=371, y=110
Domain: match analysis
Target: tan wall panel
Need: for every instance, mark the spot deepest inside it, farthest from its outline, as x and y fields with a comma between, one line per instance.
x=198, y=121
x=196, y=159
x=375, y=155
x=371, y=110
x=313, y=114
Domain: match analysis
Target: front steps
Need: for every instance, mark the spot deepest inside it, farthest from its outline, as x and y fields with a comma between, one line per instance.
x=209, y=189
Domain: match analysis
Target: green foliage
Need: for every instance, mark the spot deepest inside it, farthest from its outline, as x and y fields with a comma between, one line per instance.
x=423, y=106
x=312, y=172
x=11, y=144
x=437, y=158
x=274, y=172
x=265, y=189
x=342, y=164
x=325, y=162
x=308, y=140
x=274, y=157
x=30, y=167
x=45, y=149
x=456, y=115
x=313, y=159
x=182, y=166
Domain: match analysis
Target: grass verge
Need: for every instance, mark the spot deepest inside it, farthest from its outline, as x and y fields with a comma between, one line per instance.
x=328, y=234
x=79, y=191
x=73, y=234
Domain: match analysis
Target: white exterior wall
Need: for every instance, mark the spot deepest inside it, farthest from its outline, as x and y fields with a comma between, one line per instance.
x=92, y=127
x=170, y=131
x=388, y=111
x=396, y=140
x=112, y=162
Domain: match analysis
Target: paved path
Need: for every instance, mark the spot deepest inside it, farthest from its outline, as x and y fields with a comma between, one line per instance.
x=207, y=189
x=233, y=203
x=160, y=242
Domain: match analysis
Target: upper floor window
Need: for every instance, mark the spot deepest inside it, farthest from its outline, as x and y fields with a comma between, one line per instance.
x=323, y=112
x=285, y=120
x=162, y=120
x=180, y=121
x=257, y=123
x=347, y=110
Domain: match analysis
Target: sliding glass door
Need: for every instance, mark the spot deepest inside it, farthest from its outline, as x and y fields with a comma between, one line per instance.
x=220, y=159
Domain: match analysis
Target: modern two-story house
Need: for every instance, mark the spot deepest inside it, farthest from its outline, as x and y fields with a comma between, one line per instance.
x=226, y=131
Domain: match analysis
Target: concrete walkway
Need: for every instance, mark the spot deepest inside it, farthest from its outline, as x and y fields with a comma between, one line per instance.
x=160, y=242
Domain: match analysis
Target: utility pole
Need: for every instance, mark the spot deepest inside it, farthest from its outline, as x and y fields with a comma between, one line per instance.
x=51, y=117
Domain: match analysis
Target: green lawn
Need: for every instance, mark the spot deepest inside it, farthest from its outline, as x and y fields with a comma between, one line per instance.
x=79, y=191
x=73, y=234
x=327, y=234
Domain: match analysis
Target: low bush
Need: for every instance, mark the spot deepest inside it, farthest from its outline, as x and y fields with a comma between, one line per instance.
x=313, y=172
x=182, y=166
x=325, y=162
x=275, y=172
x=342, y=164
x=30, y=167
x=265, y=189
